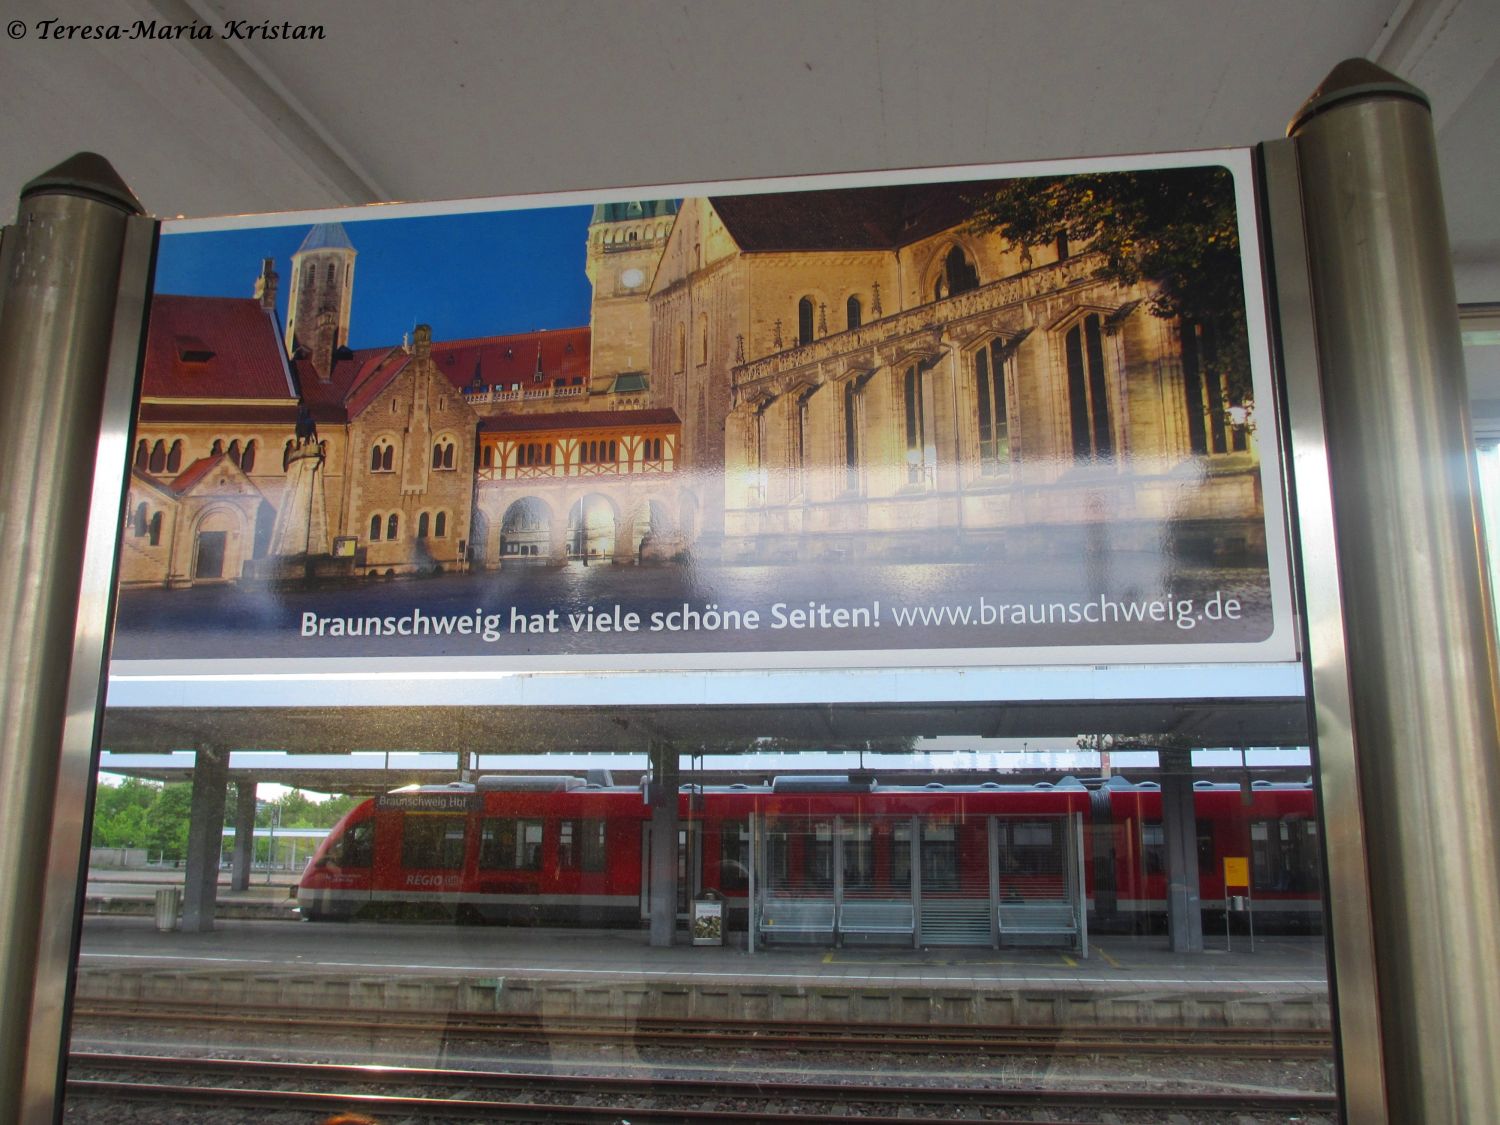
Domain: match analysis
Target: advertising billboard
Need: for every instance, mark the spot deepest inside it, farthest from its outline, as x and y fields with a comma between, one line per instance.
x=981, y=416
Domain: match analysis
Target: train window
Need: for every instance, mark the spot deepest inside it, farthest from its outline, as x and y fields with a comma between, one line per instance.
x=901, y=855
x=1032, y=850
x=939, y=856
x=1284, y=855
x=510, y=844
x=581, y=845
x=859, y=855
x=432, y=841
x=734, y=857
x=1207, y=853
x=1153, y=848
x=356, y=847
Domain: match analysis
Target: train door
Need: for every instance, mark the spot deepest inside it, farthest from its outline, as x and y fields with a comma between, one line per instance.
x=689, y=869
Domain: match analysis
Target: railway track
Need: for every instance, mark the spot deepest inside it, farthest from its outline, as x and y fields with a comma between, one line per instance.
x=465, y=1095
x=881, y=1038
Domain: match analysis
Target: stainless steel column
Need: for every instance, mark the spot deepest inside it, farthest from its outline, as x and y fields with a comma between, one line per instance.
x=1422, y=668
x=60, y=276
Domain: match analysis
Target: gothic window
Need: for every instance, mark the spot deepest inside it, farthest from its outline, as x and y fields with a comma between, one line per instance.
x=992, y=409
x=799, y=442
x=1209, y=429
x=158, y=457
x=959, y=272
x=174, y=456
x=442, y=454
x=142, y=455
x=917, y=469
x=805, y=321
x=702, y=338
x=1088, y=396
x=854, y=311
x=247, y=458
x=853, y=411
x=375, y=525
x=382, y=457
x=154, y=531
x=392, y=525
x=440, y=525
x=422, y=526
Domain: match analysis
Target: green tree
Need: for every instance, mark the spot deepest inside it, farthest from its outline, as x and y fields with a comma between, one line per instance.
x=1176, y=229
x=122, y=813
x=169, y=816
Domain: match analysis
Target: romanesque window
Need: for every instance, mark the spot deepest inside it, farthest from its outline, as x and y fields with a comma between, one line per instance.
x=247, y=458
x=234, y=451
x=992, y=410
x=139, y=521
x=376, y=525
x=158, y=460
x=440, y=525
x=217, y=448
x=174, y=456
x=442, y=453
x=854, y=312
x=805, y=321
x=382, y=457
x=153, y=532
x=1088, y=394
x=142, y=455
x=958, y=275
x=392, y=525
x=1209, y=429
x=918, y=471
x=422, y=526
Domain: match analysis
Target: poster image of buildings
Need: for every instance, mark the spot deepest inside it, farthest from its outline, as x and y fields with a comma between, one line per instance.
x=962, y=419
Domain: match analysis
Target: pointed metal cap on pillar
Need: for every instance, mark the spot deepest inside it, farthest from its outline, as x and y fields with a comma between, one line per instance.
x=87, y=174
x=1354, y=79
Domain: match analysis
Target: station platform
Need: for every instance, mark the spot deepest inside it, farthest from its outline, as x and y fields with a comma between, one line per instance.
x=616, y=974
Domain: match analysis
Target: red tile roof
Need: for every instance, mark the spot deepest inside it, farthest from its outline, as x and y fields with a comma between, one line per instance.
x=213, y=347
x=195, y=473
x=499, y=361
x=579, y=420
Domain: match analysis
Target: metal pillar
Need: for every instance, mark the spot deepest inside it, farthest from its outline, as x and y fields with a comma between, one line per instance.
x=1421, y=659
x=73, y=272
x=244, y=834
x=205, y=839
x=1180, y=835
x=664, y=825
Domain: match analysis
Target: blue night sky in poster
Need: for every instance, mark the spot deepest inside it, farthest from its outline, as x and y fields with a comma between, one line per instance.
x=482, y=274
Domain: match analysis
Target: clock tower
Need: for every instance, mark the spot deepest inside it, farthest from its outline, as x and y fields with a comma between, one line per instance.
x=626, y=241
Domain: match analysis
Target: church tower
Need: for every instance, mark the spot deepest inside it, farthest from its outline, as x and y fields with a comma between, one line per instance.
x=626, y=241
x=321, y=294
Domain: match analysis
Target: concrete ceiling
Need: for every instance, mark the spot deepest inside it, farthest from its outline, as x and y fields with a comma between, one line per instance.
x=455, y=99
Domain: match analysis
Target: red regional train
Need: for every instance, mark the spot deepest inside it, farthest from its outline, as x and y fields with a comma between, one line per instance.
x=559, y=850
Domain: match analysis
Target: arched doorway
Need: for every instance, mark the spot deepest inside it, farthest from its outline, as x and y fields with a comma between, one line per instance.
x=591, y=529
x=216, y=547
x=526, y=531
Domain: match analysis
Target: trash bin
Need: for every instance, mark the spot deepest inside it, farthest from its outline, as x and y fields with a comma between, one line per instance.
x=168, y=900
x=708, y=922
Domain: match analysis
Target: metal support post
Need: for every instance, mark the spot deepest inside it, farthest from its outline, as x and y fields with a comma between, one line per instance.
x=664, y=825
x=205, y=842
x=1417, y=606
x=244, y=834
x=1180, y=835
x=73, y=277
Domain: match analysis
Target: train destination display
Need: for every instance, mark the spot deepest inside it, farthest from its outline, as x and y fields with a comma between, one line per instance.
x=981, y=416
